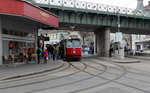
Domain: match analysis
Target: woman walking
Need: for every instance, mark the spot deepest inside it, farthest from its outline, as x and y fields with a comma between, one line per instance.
x=45, y=54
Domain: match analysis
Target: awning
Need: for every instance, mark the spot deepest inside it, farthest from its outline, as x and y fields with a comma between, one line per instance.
x=28, y=10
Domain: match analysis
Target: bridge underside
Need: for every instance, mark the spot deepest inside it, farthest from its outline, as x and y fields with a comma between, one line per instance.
x=89, y=21
x=101, y=23
x=92, y=28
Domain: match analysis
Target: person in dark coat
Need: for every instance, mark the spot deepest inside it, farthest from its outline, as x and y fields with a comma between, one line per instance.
x=110, y=51
x=54, y=53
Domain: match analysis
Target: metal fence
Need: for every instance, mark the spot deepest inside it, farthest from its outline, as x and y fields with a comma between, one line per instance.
x=94, y=6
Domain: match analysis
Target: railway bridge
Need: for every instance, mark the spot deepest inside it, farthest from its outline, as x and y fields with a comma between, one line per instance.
x=98, y=18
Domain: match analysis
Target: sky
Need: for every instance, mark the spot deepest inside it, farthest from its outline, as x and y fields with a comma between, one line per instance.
x=121, y=3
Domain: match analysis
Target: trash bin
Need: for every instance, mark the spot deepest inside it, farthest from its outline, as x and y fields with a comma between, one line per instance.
x=121, y=53
x=116, y=54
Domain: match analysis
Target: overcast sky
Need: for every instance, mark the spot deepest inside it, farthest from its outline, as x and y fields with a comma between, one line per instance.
x=122, y=3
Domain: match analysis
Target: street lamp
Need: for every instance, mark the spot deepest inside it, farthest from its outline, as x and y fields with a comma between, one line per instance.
x=119, y=39
x=118, y=22
x=118, y=33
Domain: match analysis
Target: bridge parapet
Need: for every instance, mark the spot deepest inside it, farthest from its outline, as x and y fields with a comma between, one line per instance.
x=93, y=6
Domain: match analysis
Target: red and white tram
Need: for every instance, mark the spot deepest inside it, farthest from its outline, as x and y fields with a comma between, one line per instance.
x=72, y=47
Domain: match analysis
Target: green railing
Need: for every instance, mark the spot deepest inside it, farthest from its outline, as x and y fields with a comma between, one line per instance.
x=93, y=6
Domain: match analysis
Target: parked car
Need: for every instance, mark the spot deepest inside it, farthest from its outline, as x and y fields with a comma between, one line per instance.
x=86, y=49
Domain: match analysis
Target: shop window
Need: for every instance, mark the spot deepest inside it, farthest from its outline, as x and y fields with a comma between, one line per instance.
x=25, y=34
x=4, y=31
x=16, y=33
x=11, y=32
x=20, y=34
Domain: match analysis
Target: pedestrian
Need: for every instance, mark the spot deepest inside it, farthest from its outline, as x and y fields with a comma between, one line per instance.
x=54, y=53
x=110, y=51
x=39, y=54
x=61, y=51
x=92, y=50
x=45, y=54
x=49, y=51
x=57, y=52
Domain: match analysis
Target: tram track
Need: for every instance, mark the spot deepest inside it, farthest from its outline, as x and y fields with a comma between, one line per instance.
x=115, y=81
x=63, y=84
x=93, y=75
x=86, y=65
x=118, y=82
x=105, y=68
x=147, y=82
x=25, y=84
x=147, y=75
x=108, y=80
x=111, y=81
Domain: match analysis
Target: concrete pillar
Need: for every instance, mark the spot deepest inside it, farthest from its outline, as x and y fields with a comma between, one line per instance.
x=103, y=41
x=97, y=43
x=1, y=50
x=95, y=46
x=107, y=40
x=36, y=40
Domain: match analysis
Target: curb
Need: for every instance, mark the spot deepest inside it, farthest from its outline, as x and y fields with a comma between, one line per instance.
x=33, y=73
x=128, y=62
x=138, y=57
x=136, y=61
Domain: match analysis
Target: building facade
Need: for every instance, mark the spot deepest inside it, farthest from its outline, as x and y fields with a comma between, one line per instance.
x=19, y=26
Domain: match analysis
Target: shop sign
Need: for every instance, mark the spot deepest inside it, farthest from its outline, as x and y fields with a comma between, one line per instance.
x=46, y=38
x=10, y=44
x=119, y=37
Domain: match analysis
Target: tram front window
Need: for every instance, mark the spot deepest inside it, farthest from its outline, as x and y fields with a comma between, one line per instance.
x=73, y=43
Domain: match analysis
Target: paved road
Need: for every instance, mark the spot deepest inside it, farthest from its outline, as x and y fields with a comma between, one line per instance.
x=90, y=75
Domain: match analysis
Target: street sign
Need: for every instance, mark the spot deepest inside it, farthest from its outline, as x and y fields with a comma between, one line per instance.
x=119, y=37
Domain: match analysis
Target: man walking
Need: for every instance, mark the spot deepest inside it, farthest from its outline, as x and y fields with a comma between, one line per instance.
x=54, y=52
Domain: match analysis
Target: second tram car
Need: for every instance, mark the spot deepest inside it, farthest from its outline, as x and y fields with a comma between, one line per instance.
x=72, y=47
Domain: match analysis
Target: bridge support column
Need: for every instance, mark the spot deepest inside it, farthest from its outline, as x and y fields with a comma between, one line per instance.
x=1, y=50
x=103, y=41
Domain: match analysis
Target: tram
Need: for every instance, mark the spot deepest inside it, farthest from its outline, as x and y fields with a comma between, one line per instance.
x=71, y=47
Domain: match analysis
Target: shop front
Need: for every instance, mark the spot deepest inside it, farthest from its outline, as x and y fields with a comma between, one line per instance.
x=19, y=25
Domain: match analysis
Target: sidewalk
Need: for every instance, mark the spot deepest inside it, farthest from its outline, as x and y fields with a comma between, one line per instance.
x=22, y=69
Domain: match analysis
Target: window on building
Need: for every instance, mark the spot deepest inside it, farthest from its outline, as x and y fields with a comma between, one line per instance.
x=11, y=32
x=16, y=33
x=4, y=31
